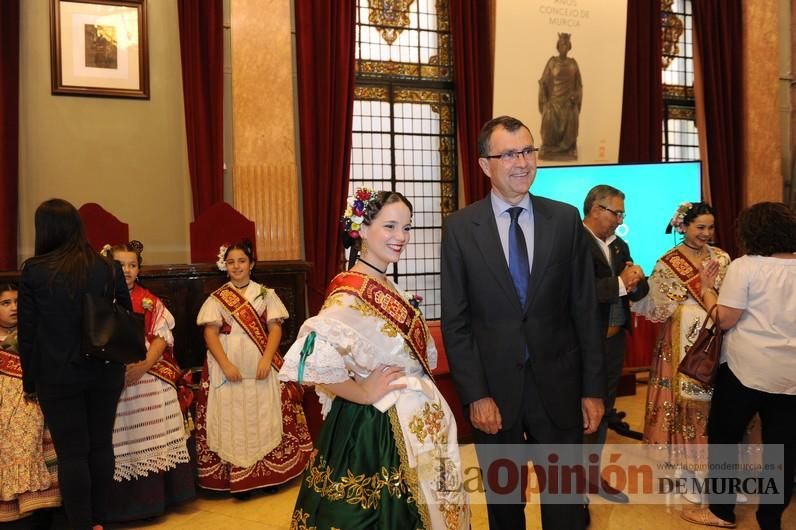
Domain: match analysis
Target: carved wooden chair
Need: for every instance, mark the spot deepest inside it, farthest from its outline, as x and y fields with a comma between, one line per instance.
x=102, y=227
x=220, y=224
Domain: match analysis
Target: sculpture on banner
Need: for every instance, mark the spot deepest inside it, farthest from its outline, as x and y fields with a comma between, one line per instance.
x=560, y=97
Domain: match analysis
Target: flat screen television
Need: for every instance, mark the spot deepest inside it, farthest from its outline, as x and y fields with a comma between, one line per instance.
x=652, y=193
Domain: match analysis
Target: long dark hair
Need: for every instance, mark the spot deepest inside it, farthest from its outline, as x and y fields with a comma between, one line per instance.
x=61, y=244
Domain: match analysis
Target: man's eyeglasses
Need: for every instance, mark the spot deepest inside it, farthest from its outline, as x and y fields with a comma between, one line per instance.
x=619, y=215
x=511, y=156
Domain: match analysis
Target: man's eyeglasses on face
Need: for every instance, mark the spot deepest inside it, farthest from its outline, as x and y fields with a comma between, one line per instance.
x=619, y=215
x=510, y=156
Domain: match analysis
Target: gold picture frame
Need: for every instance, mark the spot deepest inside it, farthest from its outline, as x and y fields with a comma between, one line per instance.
x=99, y=48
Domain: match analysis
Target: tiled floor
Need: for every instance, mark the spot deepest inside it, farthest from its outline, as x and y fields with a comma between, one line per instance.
x=218, y=511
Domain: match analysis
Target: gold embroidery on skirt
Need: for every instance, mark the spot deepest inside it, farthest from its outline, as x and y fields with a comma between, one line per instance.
x=356, y=489
x=299, y=521
x=411, y=474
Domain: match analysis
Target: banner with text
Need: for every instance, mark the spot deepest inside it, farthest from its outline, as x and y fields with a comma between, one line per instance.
x=559, y=67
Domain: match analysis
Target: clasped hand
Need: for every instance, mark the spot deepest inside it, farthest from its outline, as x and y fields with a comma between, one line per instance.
x=631, y=275
x=709, y=273
x=233, y=375
x=133, y=372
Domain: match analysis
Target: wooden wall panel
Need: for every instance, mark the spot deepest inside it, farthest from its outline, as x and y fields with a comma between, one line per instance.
x=761, y=113
x=264, y=174
x=269, y=194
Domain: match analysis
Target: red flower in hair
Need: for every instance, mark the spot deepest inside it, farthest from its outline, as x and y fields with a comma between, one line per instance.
x=363, y=194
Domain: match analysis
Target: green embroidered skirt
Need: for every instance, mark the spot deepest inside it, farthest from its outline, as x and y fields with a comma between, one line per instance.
x=358, y=477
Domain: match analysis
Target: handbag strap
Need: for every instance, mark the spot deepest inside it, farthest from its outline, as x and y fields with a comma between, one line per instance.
x=715, y=317
x=109, y=261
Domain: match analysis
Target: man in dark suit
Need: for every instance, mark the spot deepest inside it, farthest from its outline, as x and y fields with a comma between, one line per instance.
x=519, y=316
x=618, y=282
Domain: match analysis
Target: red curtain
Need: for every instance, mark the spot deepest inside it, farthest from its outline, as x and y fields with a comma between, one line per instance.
x=471, y=31
x=9, y=132
x=325, y=53
x=718, y=27
x=642, y=98
x=202, y=52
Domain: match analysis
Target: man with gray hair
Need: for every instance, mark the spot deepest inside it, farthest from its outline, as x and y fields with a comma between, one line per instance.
x=618, y=280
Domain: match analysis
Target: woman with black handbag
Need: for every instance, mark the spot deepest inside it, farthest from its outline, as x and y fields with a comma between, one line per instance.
x=77, y=393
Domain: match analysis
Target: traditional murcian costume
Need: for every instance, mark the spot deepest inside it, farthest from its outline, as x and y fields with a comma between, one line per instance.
x=152, y=469
x=677, y=406
x=252, y=433
x=393, y=464
x=28, y=471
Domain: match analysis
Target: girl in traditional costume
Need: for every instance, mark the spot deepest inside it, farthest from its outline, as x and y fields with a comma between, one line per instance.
x=152, y=466
x=387, y=455
x=251, y=431
x=677, y=406
x=28, y=472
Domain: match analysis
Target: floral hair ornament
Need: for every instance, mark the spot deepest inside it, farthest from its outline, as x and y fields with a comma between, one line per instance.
x=107, y=250
x=354, y=214
x=679, y=217
x=222, y=263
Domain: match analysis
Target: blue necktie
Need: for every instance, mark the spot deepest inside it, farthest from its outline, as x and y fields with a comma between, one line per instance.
x=519, y=267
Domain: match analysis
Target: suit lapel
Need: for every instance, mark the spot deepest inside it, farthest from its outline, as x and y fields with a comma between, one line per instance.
x=597, y=250
x=617, y=257
x=542, y=245
x=487, y=239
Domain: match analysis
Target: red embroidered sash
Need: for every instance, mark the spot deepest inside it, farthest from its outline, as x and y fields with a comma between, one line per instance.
x=686, y=272
x=246, y=316
x=166, y=369
x=390, y=306
x=10, y=364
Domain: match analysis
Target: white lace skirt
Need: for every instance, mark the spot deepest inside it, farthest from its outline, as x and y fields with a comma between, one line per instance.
x=149, y=433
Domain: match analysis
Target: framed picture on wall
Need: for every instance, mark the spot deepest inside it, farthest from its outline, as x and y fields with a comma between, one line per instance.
x=99, y=48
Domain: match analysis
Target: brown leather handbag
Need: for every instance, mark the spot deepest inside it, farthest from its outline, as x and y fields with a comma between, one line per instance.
x=701, y=360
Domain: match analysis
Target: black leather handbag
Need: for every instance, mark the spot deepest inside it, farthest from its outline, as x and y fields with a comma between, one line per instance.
x=110, y=331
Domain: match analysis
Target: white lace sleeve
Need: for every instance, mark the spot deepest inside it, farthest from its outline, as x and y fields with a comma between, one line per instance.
x=431, y=351
x=666, y=293
x=276, y=310
x=724, y=262
x=164, y=323
x=322, y=365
